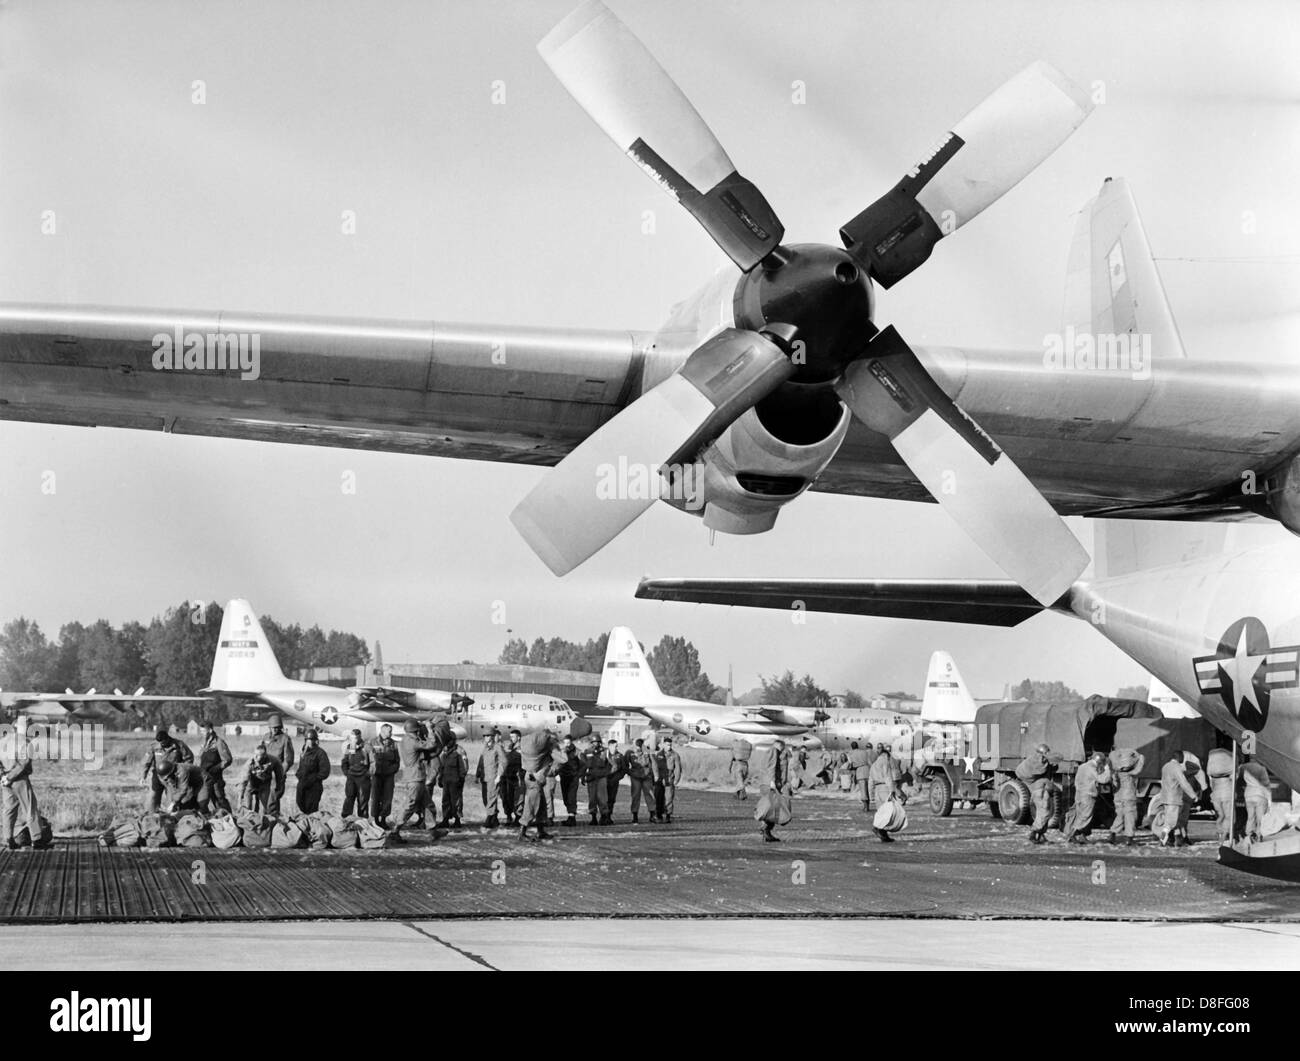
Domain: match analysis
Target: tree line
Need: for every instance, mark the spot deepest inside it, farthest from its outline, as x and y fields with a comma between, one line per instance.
x=172, y=654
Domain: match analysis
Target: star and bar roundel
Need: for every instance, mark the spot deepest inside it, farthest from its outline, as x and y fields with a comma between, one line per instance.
x=1247, y=670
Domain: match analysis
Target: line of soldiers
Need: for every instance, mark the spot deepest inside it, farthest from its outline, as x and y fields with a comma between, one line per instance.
x=503, y=768
x=1118, y=775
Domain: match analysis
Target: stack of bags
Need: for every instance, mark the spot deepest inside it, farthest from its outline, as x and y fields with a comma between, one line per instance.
x=247, y=828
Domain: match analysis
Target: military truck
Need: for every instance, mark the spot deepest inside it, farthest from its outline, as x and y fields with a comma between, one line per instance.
x=984, y=770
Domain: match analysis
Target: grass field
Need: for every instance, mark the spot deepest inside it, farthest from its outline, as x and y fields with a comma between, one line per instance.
x=81, y=802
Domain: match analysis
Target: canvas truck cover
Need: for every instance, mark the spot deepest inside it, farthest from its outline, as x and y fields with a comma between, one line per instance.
x=1072, y=729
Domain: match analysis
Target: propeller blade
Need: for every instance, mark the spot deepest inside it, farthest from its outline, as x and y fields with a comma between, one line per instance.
x=963, y=468
x=612, y=477
x=632, y=98
x=987, y=154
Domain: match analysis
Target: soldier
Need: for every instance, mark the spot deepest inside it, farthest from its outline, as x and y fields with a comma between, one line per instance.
x=595, y=771
x=570, y=772
x=262, y=778
x=1257, y=788
x=16, y=795
x=313, y=769
x=668, y=772
x=491, y=765
x=414, y=750
x=1092, y=774
x=1222, y=791
x=859, y=761
x=776, y=765
x=798, y=764
x=1177, y=794
x=215, y=759
x=454, y=765
x=741, y=750
x=1036, y=771
x=536, y=752
x=512, y=792
x=356, y=776
x=883, y=777
x=641, y=771
x=160, y=763
x=1126, y=764
x=385, y=761
x=617, y=770
x=280, y=747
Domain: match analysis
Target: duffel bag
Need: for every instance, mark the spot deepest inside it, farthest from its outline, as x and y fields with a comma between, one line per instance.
x=159, y=830
x=192, y=831
x=225, y=832
x=890, y=817
x=257, y=829
x=288, y=833
x=373, y=837
x=773, y=808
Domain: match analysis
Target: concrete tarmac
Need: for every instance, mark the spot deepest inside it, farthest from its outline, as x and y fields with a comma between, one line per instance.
x=709, y=944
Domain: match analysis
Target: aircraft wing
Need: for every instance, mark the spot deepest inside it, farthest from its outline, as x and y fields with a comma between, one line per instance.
x=524, y=395
x=995, y=603
x=85, y=704
x=1172, y=445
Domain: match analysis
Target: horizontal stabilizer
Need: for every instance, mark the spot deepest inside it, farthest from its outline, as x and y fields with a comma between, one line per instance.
x=999, y=603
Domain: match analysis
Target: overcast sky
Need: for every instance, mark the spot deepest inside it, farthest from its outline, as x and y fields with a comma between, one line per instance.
x=524, y=213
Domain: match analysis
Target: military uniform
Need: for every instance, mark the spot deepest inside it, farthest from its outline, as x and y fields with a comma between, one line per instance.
x=595, y=770
x=491, y=766
x=641, y=771
x=570, y=774
x=617, y=768
x=16, y=796
x=215, y=759
x=160, y=763
x=1036, y=771
x=859, y=761
x=258, y=784
x=454, y=765
x=356, y=780
x=1088, y=780
x=1257, y=788
x=385, y=761
x=414, y=751
x=280, y=748
x=535, y=753
x=884, y=776
x=1126, y=764
x=1177, y=795
x=741, y=750
x=667, y=773
x=1222, y=791
x=313, y=769
x=512, y=791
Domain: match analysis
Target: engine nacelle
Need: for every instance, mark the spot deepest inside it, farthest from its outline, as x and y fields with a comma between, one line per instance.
x=745, y=477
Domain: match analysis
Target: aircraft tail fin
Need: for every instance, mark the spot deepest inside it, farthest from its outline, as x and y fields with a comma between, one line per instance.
x=1170, y=703
x=946, y=697
x=1112, y=287
x=244, y=661
x=626, y=680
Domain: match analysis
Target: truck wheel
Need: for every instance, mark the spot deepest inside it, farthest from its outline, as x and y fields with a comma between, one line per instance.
x=941, y=795
x=1015, y=802
x=994, y=809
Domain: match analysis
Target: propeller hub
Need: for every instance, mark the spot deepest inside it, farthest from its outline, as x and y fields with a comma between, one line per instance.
x=820, y=290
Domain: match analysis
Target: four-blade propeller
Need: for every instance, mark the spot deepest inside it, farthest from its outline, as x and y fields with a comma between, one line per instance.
x=788, y=294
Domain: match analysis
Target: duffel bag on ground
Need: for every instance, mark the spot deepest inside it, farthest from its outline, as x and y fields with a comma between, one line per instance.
x=124, y=833
x=257, y=828
x=192, y=831
x=320, y=833
x=890, y=817
x=773, y=808
x=343, y=833
x=225, y=832
x=373, y=837
x=159, y=830
x=288, y=833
